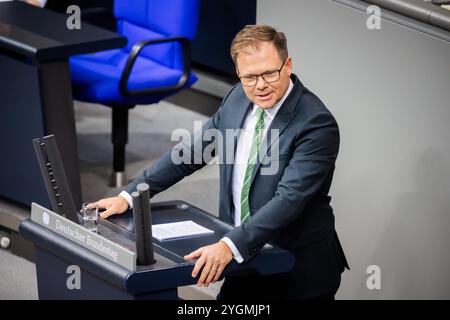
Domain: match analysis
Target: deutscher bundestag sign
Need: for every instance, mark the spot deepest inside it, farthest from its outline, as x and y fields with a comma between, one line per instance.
x=83, y=237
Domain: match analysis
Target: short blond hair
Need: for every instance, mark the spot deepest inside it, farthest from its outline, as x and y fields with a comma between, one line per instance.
x=252, y=34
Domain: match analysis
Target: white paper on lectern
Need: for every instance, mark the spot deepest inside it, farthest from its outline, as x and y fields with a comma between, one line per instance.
x=176, y=230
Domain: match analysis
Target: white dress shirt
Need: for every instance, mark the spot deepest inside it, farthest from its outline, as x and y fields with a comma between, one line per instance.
x=240, y=162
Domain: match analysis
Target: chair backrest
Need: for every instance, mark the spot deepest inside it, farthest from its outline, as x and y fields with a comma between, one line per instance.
x=151, y=19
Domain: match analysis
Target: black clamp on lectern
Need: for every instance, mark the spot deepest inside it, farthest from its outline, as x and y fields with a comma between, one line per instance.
x=122, y=261
x=143, y=225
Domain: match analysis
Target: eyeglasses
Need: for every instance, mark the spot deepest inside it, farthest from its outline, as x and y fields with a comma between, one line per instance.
x=269, y=76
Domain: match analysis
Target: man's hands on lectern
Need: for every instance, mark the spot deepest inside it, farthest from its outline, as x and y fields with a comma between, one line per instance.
x=213, y=258
x=112, y=206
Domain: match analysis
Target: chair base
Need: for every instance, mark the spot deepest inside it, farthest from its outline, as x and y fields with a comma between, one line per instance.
x=119, y=139
x=118, y=179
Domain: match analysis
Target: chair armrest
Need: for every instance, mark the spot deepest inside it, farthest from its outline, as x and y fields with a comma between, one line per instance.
x=185, y=46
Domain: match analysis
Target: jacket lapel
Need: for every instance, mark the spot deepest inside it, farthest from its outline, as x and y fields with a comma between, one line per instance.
x=280, y=122
x=238, y=122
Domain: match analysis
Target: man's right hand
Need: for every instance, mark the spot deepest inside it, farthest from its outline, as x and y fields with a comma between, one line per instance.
x=114, y=205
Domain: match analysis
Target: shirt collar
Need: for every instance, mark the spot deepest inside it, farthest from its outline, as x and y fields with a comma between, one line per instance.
x=271, y=113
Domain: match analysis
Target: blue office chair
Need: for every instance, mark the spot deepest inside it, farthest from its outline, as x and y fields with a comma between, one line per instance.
x=154, y=64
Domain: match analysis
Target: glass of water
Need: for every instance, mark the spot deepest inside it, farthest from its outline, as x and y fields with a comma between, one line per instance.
x=89, y=213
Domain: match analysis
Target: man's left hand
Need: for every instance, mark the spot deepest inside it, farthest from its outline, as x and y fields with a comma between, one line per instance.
x=213, y=258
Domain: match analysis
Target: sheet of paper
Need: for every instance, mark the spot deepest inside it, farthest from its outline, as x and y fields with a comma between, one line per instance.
x=176, y=230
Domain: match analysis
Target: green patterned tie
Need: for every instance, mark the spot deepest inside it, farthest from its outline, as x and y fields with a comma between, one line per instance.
x=259, y=128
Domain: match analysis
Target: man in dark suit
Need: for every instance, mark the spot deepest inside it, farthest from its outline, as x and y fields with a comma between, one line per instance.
x=275, y=188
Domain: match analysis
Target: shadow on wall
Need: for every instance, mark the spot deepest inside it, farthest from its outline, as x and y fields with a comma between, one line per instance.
x=414, y=250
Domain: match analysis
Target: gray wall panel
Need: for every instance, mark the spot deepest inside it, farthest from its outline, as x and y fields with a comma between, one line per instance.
x=390, y=92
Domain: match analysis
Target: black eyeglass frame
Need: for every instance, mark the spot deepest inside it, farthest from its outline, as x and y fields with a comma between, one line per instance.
x=256, y=76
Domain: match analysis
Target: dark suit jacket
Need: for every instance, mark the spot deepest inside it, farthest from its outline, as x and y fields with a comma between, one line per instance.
x=289, y=208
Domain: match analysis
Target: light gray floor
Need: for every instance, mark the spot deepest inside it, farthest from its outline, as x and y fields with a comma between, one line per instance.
x=17, y=278
x=150, y=136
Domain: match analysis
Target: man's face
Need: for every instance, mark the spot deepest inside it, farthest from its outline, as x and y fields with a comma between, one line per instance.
x=262, y=60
